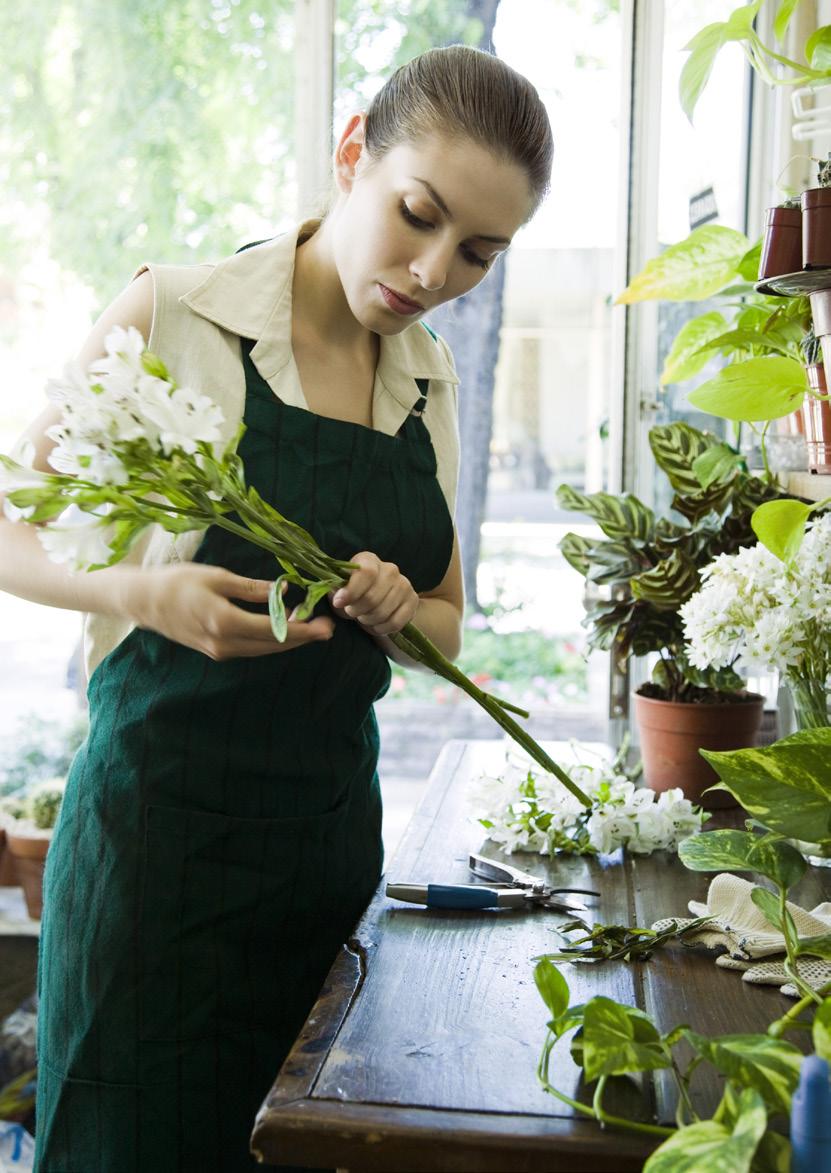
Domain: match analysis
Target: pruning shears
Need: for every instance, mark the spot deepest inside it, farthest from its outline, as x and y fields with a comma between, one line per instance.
x=509, y=888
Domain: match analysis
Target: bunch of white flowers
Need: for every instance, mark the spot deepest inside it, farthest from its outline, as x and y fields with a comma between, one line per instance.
x=524, y=810
x=756, y=611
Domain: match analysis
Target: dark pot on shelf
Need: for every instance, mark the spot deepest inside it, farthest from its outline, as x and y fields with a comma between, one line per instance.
x=672, y=733
x=816, y=416
x=816, y=228
x=781, y=243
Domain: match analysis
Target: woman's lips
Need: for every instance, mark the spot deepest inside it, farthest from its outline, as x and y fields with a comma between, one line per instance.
x=399, y=303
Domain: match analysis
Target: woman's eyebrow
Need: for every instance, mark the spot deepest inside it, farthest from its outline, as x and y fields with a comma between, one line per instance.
x=436, y=198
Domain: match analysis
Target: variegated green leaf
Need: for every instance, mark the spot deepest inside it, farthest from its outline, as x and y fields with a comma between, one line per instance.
x=616, y=562
x=765, y=900
x=780, y=526
x=821, y=1030
x=618, y=517
x=676, y=447
x=686, y=357
x=669, y=584
x=742, y=851
x=691, y=270
x=786, y=786
x=768, y=1065
x=819, y=946
x=618, y=1039
x=711, y=1146
x=758, y=389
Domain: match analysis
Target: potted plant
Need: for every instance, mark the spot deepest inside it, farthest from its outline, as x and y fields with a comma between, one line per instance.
x=28, y=836
x=816, y=221
x=781, y=240
x=641, y=573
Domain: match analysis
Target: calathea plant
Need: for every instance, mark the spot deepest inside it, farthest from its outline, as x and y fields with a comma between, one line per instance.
x=645, y=567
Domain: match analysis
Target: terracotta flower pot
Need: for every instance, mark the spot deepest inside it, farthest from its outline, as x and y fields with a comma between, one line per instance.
x=816, y=228
x=29, y=853
x=782, y=243
x=816, y=415
x=672, y=732
x=8, y=871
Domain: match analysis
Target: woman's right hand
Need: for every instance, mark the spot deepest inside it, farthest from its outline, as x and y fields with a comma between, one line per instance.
x=191, y=604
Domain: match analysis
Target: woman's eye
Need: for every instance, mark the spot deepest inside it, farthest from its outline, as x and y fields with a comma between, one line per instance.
x=475, y=259
x=413, y=219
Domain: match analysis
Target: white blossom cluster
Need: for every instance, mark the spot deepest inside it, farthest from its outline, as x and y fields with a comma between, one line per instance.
x=755, y=611
x=120, y=401
x=525, y=810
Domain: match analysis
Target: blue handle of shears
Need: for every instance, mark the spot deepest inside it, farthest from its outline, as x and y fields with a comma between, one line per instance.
x=451, y=896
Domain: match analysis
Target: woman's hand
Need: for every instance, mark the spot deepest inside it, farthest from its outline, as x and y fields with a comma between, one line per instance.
x=191, y=604
x=377, y=595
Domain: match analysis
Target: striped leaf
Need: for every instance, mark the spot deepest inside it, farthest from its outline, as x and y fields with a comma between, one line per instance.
x=618, y=517
x=669, y=584
x=786, y=786
x=578, y=551
x=676, y=447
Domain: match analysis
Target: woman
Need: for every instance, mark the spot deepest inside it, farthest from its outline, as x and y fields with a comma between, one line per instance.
x=221, y=830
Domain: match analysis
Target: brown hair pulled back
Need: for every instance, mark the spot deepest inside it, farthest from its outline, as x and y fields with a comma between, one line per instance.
x=462, y=92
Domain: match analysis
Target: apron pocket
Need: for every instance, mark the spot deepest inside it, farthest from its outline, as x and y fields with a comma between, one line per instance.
x=241, y=918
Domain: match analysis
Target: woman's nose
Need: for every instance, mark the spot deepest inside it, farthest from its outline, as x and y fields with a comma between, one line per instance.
x=430, y=268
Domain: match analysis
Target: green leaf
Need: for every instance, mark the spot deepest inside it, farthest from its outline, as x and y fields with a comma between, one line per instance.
x=314, y=593
x=552, y=986
x=669, y=584
x=749, y=264
x=619, y=517
x=577, y=551
x=819, y=946
x=821, y=1030
x=277, y=609
x=619, y=1039
x=691, y=270
x=818, y=48
x=704, y=48
x=154, y=365
x=780, y=526
x=708, y=1145
x=742, y=851
x=786, y=786
x=757, y=389
x=765, y=900
x=685, y=358
x=771, y=1066
x=676, y=447
x=717, y=465
x=783, y=17
x=741, y=341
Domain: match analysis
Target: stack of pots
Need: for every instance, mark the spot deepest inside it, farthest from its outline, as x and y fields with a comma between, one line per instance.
x=795, y=239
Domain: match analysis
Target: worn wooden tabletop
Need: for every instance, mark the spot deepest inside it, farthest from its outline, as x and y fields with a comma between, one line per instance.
x=421, y=1052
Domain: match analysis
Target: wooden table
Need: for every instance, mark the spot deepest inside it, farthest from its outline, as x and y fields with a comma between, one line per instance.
x=421, y=1052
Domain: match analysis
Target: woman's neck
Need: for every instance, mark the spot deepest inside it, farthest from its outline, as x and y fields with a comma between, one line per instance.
x=320, y=311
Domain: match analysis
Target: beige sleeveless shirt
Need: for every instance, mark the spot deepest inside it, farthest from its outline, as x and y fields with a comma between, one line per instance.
x=199, y=314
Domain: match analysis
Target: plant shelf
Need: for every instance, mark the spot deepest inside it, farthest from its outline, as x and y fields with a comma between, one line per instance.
x=812, y=486
x=795, y=284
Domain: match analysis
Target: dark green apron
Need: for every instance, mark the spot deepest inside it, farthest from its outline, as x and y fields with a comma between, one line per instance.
x=221, y=829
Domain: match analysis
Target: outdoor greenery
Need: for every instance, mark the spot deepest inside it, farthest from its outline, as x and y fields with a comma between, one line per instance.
x=39, y=749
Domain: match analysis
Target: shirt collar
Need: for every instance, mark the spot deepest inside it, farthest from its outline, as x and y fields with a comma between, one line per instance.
x=249, y=294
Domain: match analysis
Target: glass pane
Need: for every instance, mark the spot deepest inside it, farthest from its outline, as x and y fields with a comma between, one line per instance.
x=550, y=402
x=127, y=133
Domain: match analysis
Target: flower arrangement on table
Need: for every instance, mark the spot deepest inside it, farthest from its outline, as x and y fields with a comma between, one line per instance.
x=524, y=810
x=759, y=610
x=133, y=449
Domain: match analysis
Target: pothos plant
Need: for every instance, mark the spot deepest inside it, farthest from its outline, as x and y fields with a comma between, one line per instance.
x=786, y=787
x=646, y=567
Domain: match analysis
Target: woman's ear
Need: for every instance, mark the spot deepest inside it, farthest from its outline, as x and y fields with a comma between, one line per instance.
x=349, y=152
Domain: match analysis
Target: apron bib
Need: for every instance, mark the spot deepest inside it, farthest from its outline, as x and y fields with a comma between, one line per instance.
x=221, y=829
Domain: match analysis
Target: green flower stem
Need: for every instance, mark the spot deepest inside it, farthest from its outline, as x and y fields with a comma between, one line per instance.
x=615, y=1121
x=790, y=963
x=789, y=1021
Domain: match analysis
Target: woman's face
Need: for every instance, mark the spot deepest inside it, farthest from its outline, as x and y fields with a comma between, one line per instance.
x=423, y=223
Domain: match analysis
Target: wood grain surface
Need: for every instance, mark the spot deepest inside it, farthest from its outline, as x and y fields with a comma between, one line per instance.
x=421, y=1052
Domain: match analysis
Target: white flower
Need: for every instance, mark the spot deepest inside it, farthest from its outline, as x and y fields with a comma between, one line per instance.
x=524, y=809
x=79, y=538
x=182, y=417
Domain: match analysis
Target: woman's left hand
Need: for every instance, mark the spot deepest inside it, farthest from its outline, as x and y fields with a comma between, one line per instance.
x=377, y=595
